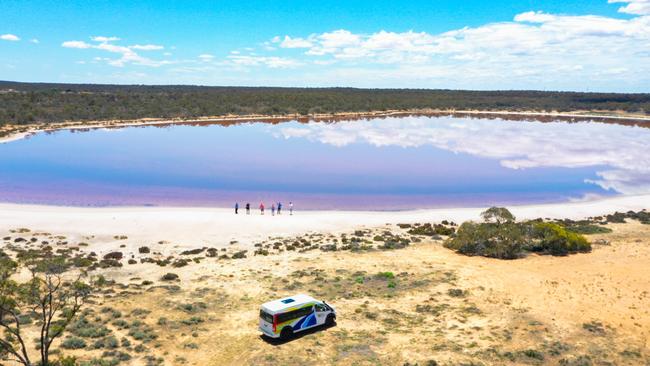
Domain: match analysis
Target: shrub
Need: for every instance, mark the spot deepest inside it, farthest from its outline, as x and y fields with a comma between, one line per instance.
x=192, y=321
x=239, y=255
x=534, y=354
x=67, y=361
x=82, y=327
x=114, y=255
x=456, y=292
x=142, y=332
x=505, y=241
x=106, y=263
x=193, y=251
x=594, y=327
x=108, y=342
x=583, y=227
x=498, y=215
x=120, y=323
x=328, y=248
x=73, y=343
x=431, y=230
x=180, y=263
x=617, y=218
x=170, y=277
x=556, y=240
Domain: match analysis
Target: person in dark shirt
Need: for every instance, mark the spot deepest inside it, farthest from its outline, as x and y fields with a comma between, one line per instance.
x=248, y=209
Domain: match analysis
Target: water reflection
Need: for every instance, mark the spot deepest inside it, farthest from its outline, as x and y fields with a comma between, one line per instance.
x=619, y=152
x=379, y=163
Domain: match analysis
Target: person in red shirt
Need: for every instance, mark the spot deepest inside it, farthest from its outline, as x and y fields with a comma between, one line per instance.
x=262, y=208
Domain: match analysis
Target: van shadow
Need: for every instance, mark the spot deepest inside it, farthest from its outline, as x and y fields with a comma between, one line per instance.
x=295, y=336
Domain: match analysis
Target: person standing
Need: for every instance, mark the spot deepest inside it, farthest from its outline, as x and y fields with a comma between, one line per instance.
x=279, y=208
x=273, y=209
x=290, y=208
x=262, y=208
x=236, y=208
x=248, y=208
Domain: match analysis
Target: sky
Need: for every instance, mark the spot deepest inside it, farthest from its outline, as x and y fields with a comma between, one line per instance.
x=595, y=45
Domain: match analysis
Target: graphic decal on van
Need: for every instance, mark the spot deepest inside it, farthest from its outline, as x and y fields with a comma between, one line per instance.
x=306, y=322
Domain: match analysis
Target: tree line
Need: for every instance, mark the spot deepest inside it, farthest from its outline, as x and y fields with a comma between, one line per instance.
x=24, y=103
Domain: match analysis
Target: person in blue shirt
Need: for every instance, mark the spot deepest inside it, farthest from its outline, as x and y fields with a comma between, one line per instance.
x=279, y=208
x=236, y=208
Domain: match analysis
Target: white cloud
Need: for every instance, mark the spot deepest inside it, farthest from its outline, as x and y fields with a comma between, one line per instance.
x=104, y=39
x=637, y=7
x=534, y=17
x=271, y=61
x=9, y=37
x=35, y=41
x=617, y=153
x=75, y=44
x=206, y=57
x=534, y=50
x=289, y=42
x=127, y=53
x=146, y=47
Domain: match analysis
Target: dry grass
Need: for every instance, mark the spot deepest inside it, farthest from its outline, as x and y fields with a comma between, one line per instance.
x=415, y=305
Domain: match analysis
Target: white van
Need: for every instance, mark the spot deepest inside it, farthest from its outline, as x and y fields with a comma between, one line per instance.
x=281, y=318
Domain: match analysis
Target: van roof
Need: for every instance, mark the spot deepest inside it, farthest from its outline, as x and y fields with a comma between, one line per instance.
x=287, y=302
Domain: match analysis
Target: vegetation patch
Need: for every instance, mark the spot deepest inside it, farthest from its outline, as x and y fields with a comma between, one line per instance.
x=500, y=236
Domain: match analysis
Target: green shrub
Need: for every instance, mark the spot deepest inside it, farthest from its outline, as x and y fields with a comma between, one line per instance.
x=170, y=277
x=456, y=292
x=73, y=343
x=141, y=331
x=108, y=342
x=66, y=361
x=534, y=354
x=497, y=215
x=505, y=241
x=431, y=230
x=583, y=227
x=84, y=328
x=556, y=240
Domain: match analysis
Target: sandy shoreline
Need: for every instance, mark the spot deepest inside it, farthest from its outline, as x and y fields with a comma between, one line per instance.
x=218, y=226
x=17, y=132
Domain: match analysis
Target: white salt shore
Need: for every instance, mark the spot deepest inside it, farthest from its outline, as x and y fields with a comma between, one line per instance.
x=218, y=226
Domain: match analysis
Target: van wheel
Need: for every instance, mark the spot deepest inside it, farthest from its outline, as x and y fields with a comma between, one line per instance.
x=286, y=333
x=331, y=319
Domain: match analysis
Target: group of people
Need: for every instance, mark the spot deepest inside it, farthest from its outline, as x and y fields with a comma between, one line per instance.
x=274, y=208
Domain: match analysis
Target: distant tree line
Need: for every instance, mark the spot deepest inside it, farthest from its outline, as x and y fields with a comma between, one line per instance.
x=23, y=103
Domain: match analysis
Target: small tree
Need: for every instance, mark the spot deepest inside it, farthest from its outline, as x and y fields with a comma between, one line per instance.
x=46, y=297
x=497, y=215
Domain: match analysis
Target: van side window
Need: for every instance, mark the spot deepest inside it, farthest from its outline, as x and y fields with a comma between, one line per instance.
x=320, y=307
x=294, y=314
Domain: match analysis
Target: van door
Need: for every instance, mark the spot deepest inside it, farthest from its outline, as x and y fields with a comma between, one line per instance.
x=321, y=313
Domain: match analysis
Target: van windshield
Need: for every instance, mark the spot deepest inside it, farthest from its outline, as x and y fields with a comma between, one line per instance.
x=266, y=316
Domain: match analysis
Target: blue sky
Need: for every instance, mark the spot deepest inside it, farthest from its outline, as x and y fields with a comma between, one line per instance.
x=596, y=45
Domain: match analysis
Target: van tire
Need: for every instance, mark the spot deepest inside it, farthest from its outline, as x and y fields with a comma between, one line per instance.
x=286, y=333
x=331, y=320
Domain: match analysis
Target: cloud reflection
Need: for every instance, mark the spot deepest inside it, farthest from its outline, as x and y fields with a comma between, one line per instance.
x=621, y=151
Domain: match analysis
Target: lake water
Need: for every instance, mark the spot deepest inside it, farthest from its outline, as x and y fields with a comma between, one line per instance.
x=383, y=164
